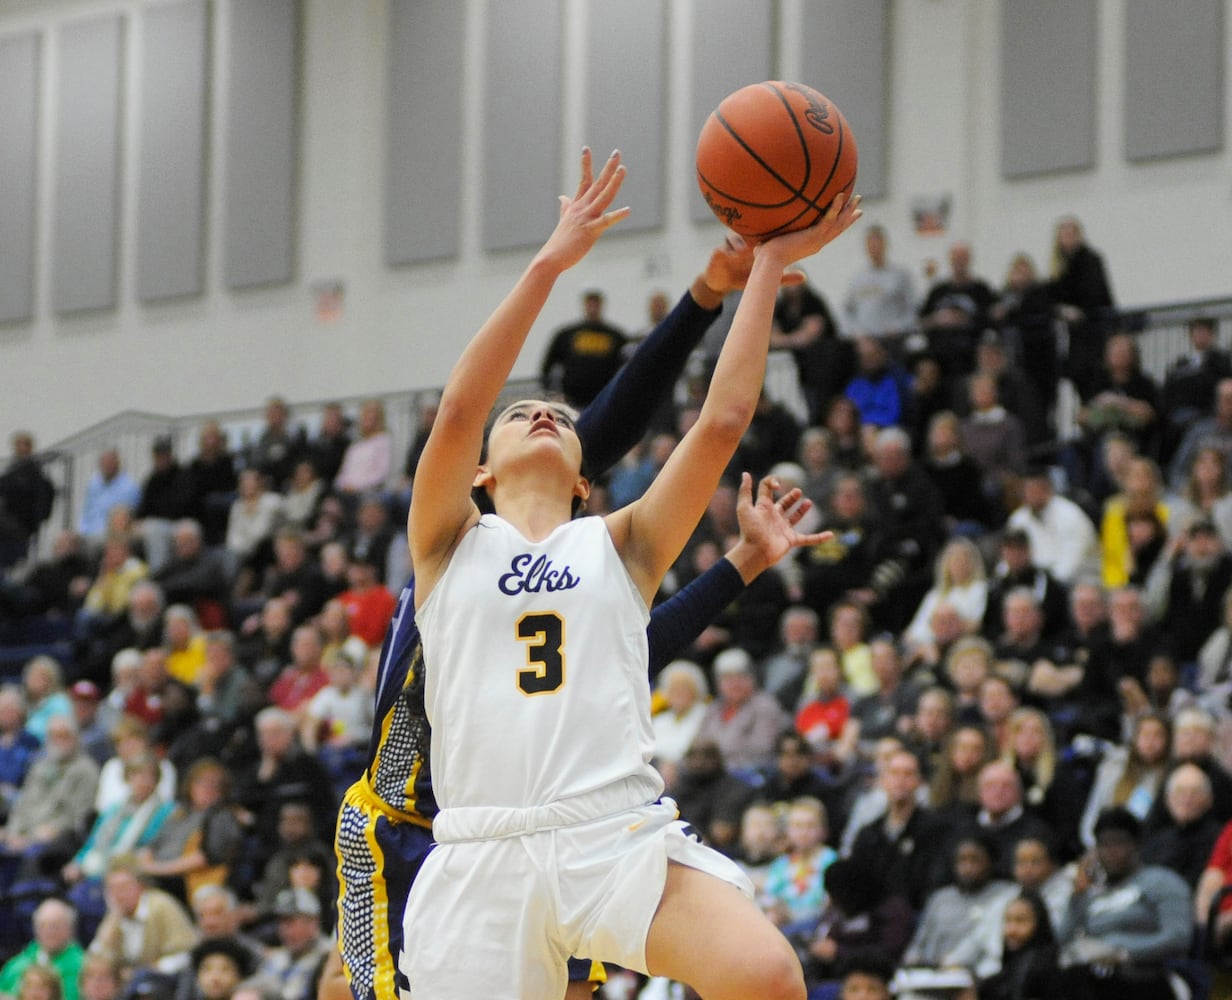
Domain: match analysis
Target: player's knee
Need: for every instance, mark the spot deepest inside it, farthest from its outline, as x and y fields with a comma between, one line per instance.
x=779, y=974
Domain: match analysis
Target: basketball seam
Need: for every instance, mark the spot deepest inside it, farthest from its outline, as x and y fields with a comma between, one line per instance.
x=812, y=202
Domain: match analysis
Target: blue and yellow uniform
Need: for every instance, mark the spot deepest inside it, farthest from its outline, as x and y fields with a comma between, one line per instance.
x=385, y=823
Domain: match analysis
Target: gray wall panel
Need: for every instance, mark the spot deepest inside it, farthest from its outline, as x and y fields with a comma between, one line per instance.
x=87, y=166
x=845, y=53
x=1048, y=65
x=262, y=134
x=522, y=122
x=732, y=46
x=626, y=100
x=1174, y=73
x=19, y=62
x=423, y=174
x=172, y=150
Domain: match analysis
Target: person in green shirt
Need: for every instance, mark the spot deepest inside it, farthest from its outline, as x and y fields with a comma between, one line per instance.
x=54, y=945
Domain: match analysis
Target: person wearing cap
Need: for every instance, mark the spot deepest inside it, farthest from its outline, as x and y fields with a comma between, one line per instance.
x=95, y=740
x=292, y=966
x=1125, y=921
x=584, y=356
x=743, y=721
x=1016, y=569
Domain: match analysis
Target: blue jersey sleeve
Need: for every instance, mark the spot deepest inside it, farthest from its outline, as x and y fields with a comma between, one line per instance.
x=676, y=622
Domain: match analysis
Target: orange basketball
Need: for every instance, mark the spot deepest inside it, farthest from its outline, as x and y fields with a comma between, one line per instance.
x=772, y=156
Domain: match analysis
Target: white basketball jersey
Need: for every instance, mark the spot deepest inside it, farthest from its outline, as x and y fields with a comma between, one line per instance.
x=535, y=658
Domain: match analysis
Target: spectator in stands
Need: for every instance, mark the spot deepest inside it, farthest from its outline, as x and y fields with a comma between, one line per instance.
x=1003, y=816
x=823, y=717
x=266, y=644
x=995, y=439
x=953, y=790
x=860, y=920
x=878, y=714
x=164, y=500
x=761, y=841
x=294, y=578
x=909, y=511
x=251, y=524
x=804, y=325
x=959, y=581
x=369, y=604
x=373, y=533
x=998, y=701
x=683, y=688
x=1126, y=653
x=218, y=965
x=337, y=720
x=1122, y=397
x=1015, y=391
x=304, y=676
x=145, y=928
x=842, y=566
x=1142, y=496
x=303, y=496
x=199, y=839
x=1189, y=385
x=429, y=406
x=1216, y=876
x=1129, y=775
x=54, y=946
x=107, y=599
x=879, y=386
x=141, y=628
x=228, y=697
x=1194, y=732
x=217, y=913
x=53, y=587
x=131, y=739
x=795, y=893
x=1214, y=682
x=184, y=642
x=369, y=458
x=278, y=447
x=782, y=672
x=772, y=437
x=1016, y=569
x=298, y=845
x=108, y=487
x=903, y=849
x=1050, y=787
x=1214, y=431
x=92, y=729
x=968, y=510
x=18, y=746
x=194, y=575
x=1084, y=299
x=1063, y=540
x=282, y=772
x=955, y=311
x=292, y=966
x=816, y=458
x=1207, y=494
x=927, y=730
x=325, y=451
x=1024, y=657
x=1196, y=579
x=743, y=721
x=1024, y=314
x=709, y=796
x=795, y=774
x=880, y=299
x=952, y=913
x=211, y=483
x=26, y=499
x=49, y=818
x=1183, y=841
x=968, y=663
x=43, y=682
x=1123, y=930
x=850, y=624
x=146, y=699
x=848, y=444
x=928, y=394
x=584, y=356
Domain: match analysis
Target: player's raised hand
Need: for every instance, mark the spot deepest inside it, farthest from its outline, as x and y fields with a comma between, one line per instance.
x=587, y=214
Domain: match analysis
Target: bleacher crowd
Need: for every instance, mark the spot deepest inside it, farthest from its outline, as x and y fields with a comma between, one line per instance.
x=980, y=736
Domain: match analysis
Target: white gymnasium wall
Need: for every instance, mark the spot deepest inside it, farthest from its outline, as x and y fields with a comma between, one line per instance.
x=1165, y=226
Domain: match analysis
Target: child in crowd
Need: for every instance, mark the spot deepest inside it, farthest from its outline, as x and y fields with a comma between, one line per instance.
x=795, y=895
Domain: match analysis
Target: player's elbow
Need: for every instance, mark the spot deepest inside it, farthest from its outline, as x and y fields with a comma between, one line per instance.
x=725, y=425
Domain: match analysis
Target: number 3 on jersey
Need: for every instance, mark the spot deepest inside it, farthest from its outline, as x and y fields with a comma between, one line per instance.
x=544, y=634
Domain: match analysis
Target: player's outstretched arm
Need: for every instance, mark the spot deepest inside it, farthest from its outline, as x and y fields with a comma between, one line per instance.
x=441, y=507
x=650, y=532
x=767, y=533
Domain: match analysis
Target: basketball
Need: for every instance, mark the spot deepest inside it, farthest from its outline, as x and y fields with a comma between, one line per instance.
x=772, y=156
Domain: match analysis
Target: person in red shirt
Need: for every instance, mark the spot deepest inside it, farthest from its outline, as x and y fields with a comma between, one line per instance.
x=304, y=676
x=369, y=605
x=822, y=718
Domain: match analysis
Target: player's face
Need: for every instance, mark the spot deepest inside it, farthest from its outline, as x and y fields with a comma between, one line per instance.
x=531, y=423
